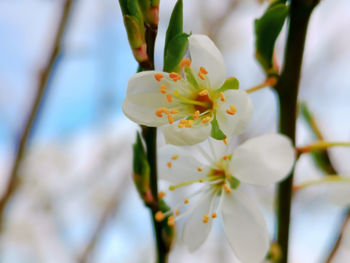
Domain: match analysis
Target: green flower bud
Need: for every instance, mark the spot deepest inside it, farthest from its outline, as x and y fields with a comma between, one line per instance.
x=141, y=170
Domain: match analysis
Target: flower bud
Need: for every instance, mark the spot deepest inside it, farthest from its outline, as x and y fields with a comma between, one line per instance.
x=150, y=11
x=141, y=170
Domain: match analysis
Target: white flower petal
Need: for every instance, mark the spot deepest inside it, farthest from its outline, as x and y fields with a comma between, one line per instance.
x=185, y=136
x=195, y=232
x=204, y=53
x=339, y=193
x=141, y=109
x=144, y=82
x=184, y=168
x=237, y=123
x=245, y=227
x=143, y=99
x=263, y=160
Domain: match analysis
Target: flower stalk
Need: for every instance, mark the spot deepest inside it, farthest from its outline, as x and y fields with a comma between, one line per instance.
x=269, y=82
x=287, y=90
x=320, y=145
x=326, y=179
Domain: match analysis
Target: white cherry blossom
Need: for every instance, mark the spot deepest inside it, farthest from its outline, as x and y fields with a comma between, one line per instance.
x=186, y=104
x=219, y=175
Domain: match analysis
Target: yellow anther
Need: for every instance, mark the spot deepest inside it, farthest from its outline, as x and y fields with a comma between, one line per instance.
x=225, y=157
x=175, y=157
x=183, y=121
x=189, y=124
x=186, y=201
x=171, y=220
x=203, y=70
x=222, y=97
x=161, y=195
x=177, y=212
x=174, y=76
x=205, y=218
x=186, y=62
x=163, y=88
x=169, y=164
x=201, y=75
x=196, y=114
x=227, y=188
x=225, y=141
x=214, y=215
x=203, y=92
x=162, y=110
x=174, y=111
x=169, y=97
x=158, y=76
x=181, y=126
x=171, y=119
x=206, y=119
x=232, y=110
x=201, y=180
x=199, y=169
x=159, y=216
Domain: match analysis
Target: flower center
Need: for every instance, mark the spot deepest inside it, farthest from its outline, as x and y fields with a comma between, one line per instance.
x=207, y=103
x=217, y=181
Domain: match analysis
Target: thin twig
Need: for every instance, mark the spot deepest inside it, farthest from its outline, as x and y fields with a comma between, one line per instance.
x=328, y=168
x=107, y=214
x=339, y=238
x=43, y=80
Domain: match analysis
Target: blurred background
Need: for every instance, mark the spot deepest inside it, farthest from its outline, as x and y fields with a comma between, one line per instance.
x=75, y=201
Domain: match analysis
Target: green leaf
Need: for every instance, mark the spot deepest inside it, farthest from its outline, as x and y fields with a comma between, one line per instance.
x=176, y=49
x=230, y=83
x=216, y=133
x=321, y=157
x=267, y=29
x=306, y=113
x=175, y=24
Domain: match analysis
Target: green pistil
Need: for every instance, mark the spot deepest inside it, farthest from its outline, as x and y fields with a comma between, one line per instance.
x=188, y=101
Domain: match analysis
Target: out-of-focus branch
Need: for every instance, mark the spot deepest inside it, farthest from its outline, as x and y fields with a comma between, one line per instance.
x=323, y=161
x=336, y=245
x=213, y=25
x=44, y=76
x=107, y=214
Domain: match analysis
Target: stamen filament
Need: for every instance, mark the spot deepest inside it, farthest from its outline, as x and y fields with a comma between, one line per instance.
x=189, y=101
x=208, y=178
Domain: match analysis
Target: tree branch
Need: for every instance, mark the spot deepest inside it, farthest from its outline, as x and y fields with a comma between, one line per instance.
x=339, y=238
x=287, y=89
x=23, y=140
